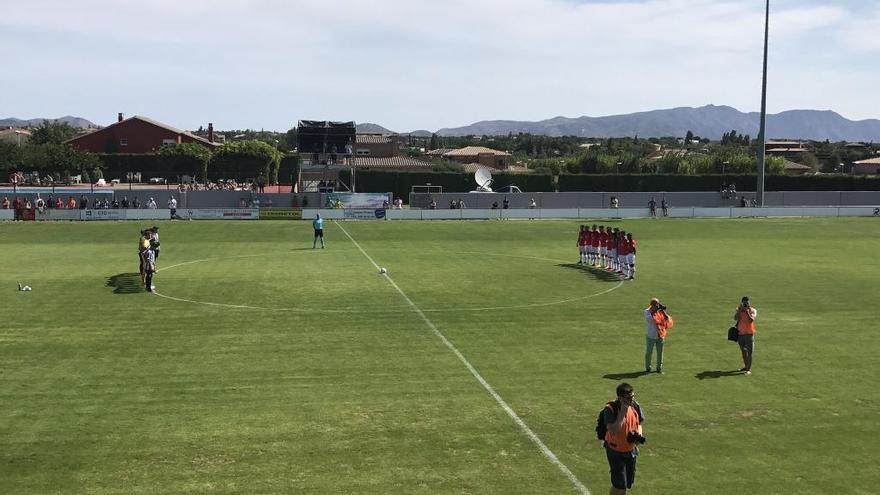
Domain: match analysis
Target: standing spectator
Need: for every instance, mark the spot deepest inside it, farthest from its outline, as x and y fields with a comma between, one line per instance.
x=452, y=204
x=58, y=203
x=742, y=202
x=652, y=206
x=398, y=204
x=460, y=204
x=71, y=202
x=125, y=203
x=5, y=203
x=432, y=205
x=623, y=419
x=745, y=325
x=115, y=203
x=50, y=202
x=17, y=203
x=172, y=205
x=261, y=182
x=151, y=204
x=532, y=203
x=83, y=202
x=615, y=203
x=136, y=203
x=318, y=225
x=664, y=205
x=505, y=204
x=657, y=322
x=385, y=204
x=495, y=205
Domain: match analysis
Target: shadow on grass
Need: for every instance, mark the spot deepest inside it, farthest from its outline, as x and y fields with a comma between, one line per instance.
x=626, y=376
x=126, y=283
x=597, y=273
x=303, y=249
x=716, y=374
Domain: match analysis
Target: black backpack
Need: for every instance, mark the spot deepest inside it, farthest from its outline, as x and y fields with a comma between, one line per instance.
x=601, y=427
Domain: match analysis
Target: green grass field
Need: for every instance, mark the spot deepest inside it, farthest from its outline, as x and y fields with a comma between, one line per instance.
x=267, y=367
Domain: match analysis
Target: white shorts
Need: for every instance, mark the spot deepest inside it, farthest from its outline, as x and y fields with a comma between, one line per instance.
x=591, y=249
x=583, y=249
x=602, y=250
x=612, y=253
x=631, y=259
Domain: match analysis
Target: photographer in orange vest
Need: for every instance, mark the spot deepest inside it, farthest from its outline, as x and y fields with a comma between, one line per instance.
x=624, y=419
x=657, y=322
x=745, y=324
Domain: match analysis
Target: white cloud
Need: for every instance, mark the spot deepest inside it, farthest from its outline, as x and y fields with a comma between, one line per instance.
x=425, y=64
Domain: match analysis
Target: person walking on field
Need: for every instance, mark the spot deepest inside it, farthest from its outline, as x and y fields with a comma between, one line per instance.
x=745, y=325
x=657, y=323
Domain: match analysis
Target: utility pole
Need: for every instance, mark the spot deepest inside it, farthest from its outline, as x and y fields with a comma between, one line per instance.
x=762, y=133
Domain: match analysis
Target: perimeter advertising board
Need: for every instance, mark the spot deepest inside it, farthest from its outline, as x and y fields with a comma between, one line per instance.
x=220, y=213
x=358, y=200
x=363, y=214
x=281, y=214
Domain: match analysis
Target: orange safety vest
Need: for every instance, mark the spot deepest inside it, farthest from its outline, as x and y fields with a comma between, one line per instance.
x=744, y=324
x=664, y=322
x=617, y=441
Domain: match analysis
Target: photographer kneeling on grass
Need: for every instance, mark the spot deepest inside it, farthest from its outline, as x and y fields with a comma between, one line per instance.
x=623, y=420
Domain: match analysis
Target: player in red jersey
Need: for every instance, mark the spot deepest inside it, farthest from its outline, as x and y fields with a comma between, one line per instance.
x=623, y=248
x=600, y=247
x=631, y=256
x=582, y=244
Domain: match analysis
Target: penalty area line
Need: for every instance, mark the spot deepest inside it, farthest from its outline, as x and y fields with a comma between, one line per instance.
x=476, y=374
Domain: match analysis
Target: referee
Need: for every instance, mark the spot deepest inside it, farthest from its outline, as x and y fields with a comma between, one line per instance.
x=318, y=224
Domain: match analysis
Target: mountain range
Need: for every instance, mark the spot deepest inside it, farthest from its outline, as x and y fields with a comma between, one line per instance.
x=709, y=121
x=77, y=122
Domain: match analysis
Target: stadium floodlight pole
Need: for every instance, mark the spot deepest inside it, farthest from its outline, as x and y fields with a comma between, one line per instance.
x=762, y=132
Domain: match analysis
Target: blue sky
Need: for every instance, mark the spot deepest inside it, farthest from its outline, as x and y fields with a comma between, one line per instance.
x=427, y=64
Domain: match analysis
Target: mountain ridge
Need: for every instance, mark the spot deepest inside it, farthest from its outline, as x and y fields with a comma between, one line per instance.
x=710, y=121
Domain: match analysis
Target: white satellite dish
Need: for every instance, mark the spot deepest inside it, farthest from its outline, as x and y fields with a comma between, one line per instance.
x=484, y=179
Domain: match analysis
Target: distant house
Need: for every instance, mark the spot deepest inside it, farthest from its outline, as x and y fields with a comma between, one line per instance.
x=375, y=144
x=137, y=135
x=786, y=149
x=15, y=136
x=792, y=168
x=870, y=166
x=482, y=155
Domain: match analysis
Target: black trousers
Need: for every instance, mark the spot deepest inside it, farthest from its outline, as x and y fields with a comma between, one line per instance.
x=149, y=280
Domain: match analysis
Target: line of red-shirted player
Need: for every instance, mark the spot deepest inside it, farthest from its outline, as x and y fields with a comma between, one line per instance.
x=611, y=249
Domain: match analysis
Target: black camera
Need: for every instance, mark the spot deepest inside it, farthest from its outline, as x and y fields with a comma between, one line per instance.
x=662, y=307
x=634, y=437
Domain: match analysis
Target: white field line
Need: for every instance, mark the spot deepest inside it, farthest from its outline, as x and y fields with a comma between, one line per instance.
x=510, y=412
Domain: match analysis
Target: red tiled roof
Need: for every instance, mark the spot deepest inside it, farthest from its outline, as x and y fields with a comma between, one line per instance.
x=391, y=162
x=372, y=139
x=157, y=124
x=475, y=151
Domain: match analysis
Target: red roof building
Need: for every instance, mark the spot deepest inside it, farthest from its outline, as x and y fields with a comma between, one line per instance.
x=136, y=135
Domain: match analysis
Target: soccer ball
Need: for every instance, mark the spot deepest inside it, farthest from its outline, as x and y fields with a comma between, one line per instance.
x=383, y=270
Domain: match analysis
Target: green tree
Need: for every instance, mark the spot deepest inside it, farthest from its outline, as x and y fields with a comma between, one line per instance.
x=246, y=159
x=434, y=141
x=10, y=156
x=52, y=133
x=186, y=159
